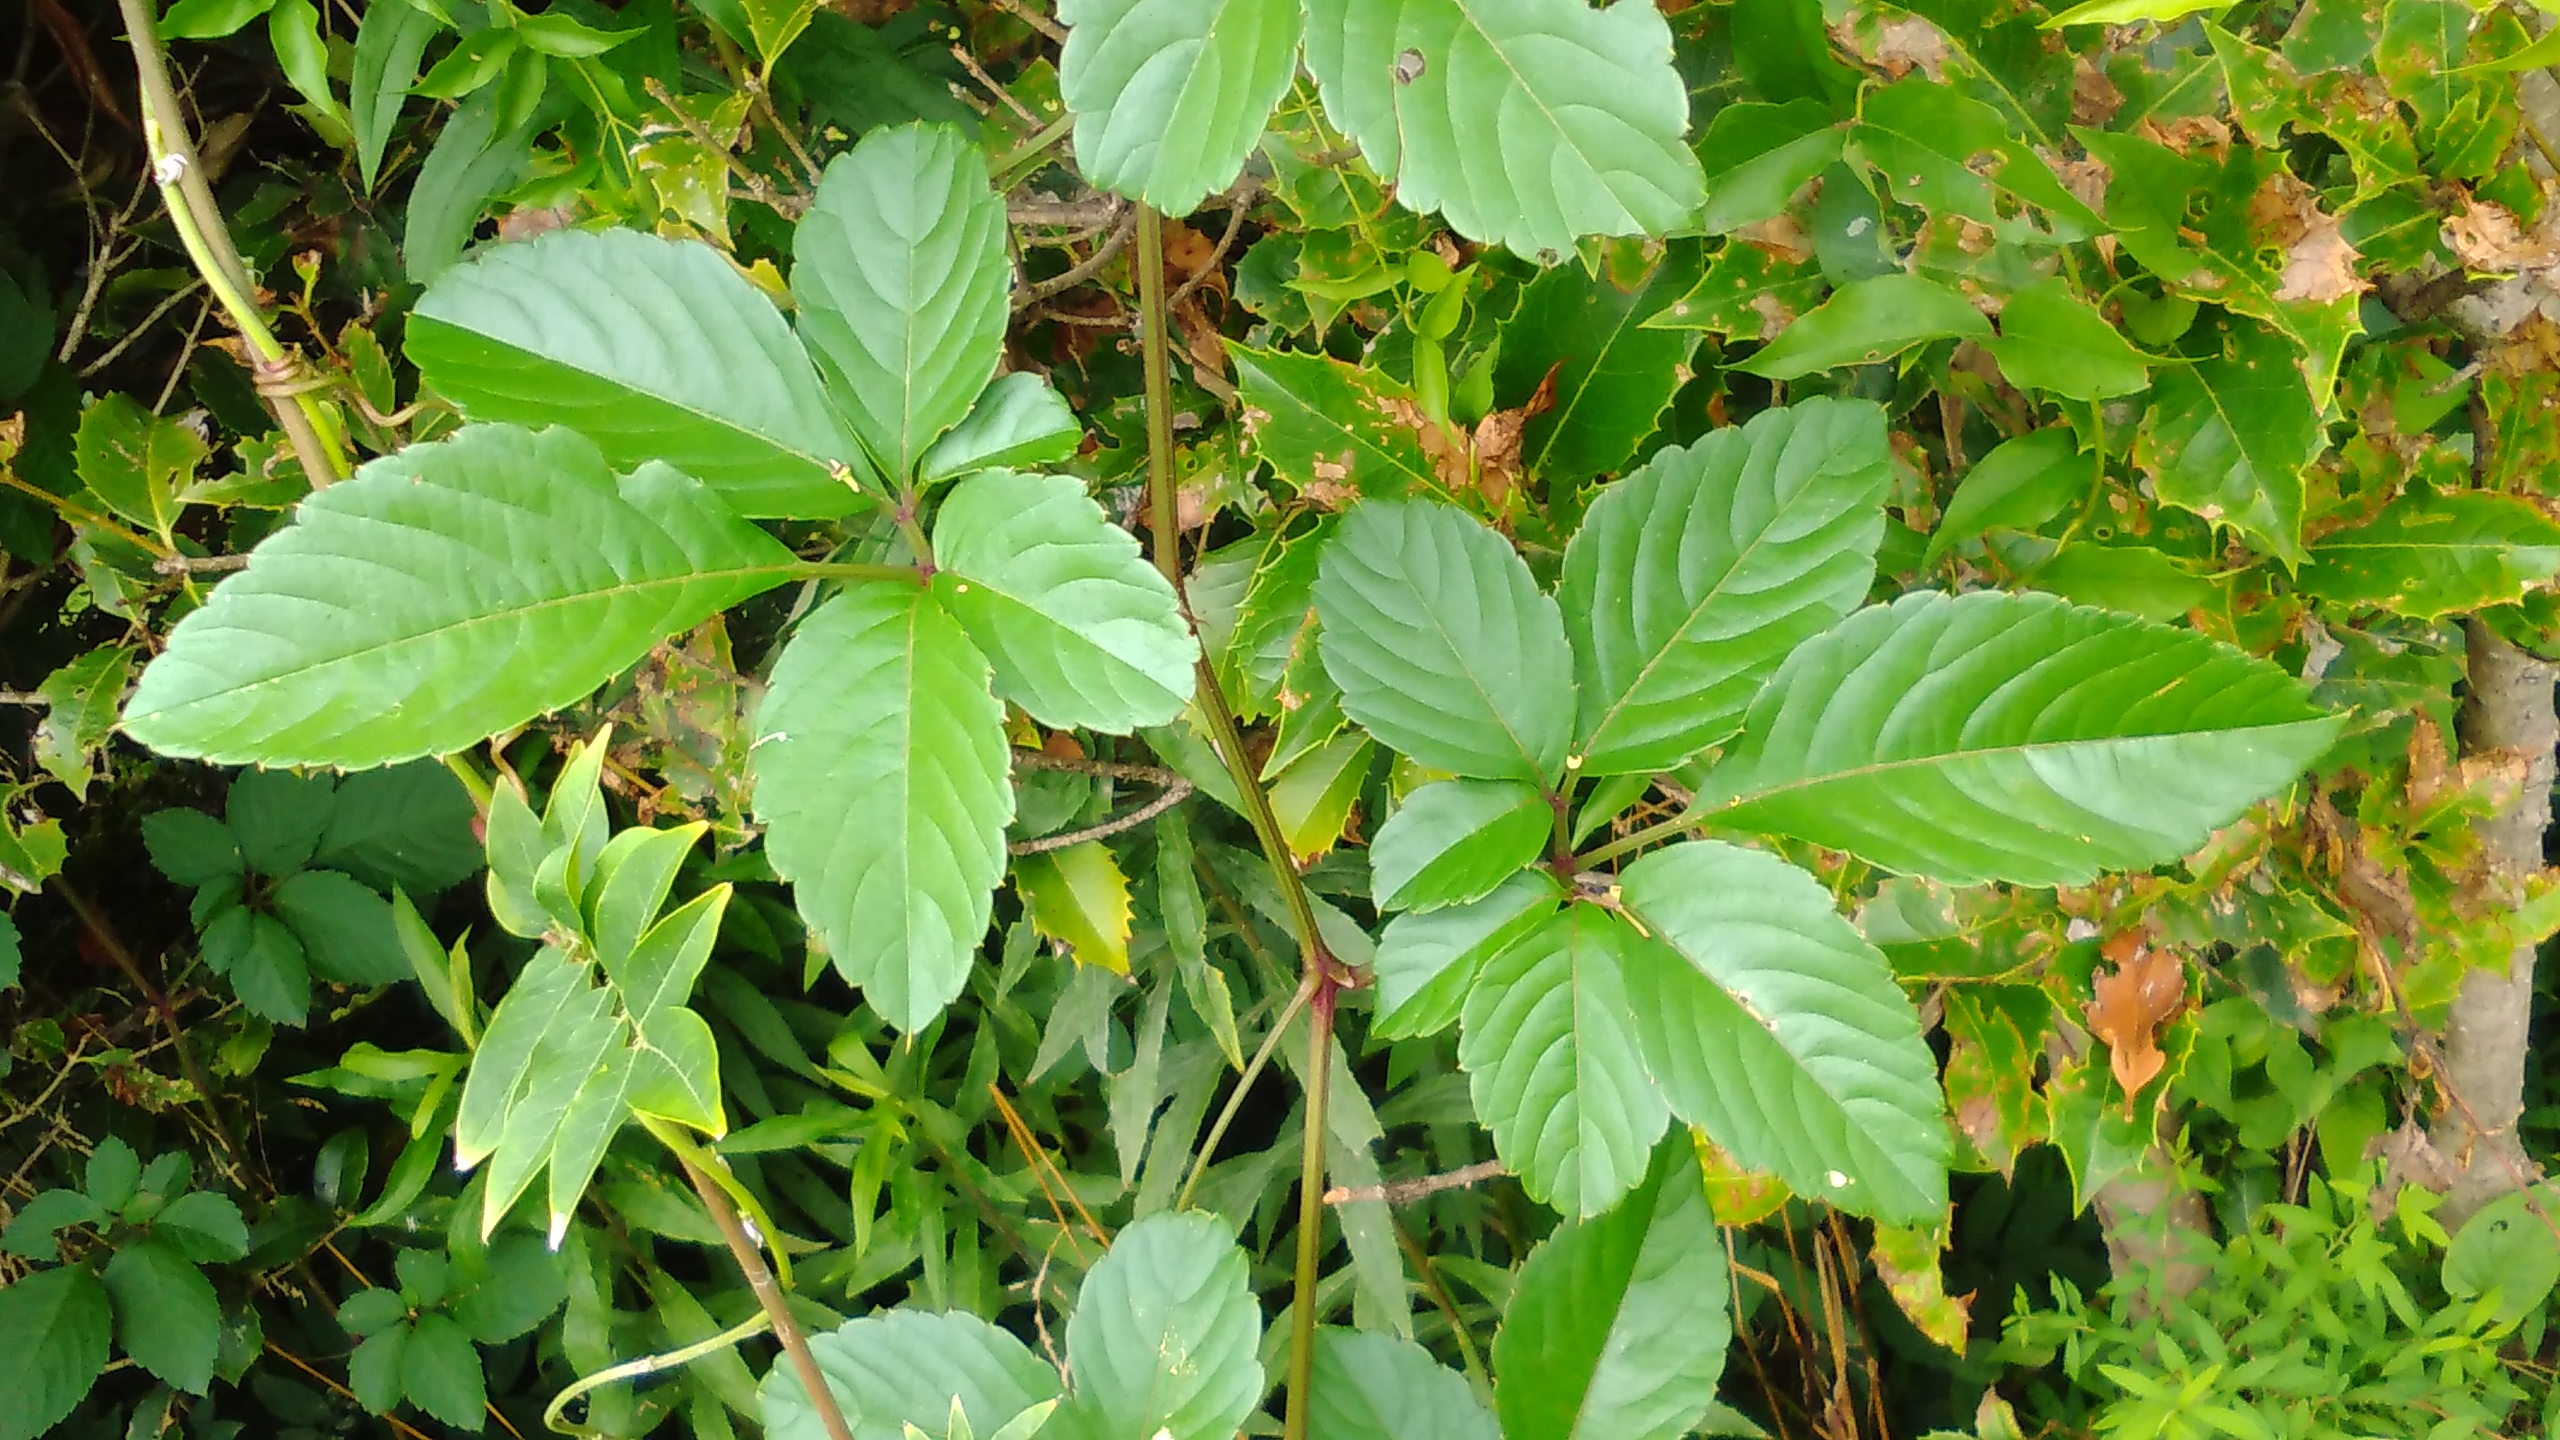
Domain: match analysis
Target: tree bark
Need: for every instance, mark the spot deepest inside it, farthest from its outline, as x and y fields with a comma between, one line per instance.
x=2509, y=708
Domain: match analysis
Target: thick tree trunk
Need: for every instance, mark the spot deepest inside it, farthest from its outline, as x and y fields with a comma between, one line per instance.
x=2509, y=708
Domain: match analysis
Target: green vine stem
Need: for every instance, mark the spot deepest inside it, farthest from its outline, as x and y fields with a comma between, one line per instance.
x=552, y=1414
x=179, y=174
x=1321, y=976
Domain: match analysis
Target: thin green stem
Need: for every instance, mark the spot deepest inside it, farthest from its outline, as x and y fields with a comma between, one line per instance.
x=846, y=570
x=746, y=1329
x=1011, y=166
x=1318, y=978
x=79, y=514
x=1302, y=1317
x=1420, y=1259
x=1244, y=1083
x=179, y=173
x=1660, y=830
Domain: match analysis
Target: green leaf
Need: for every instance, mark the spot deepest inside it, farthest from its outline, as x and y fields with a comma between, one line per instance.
x=658, y=969
x=1443, y=645
x=654, y=349
x=908, y=1367
x=2134, y=579
x=80, y=713
x=543, y=993
x=191, y=847
x=1078, y=897
x=523, y=1280
x=390, y=39
x=407, y=825
x=629, y=885
x=1369, y=1386
x=1324, y=426
x=32, y=855
x=1170, y=96
x=293, y=33
x=1164, y=1333
x=2229, y=435
x=136, y=462
x=675, y=1074
x=2054, y=341
x=203, y=1227
x=1613, y=373
x=440, y=1373
x=373, y=1371
x=567, y=1110
x=263, y=962
x=1693, y=577
x=2011, y=737
x=472, y=160
x=1774, y=1026
x=2128, y=12
x=1617, y=1327
x=1018, y=420
x=1867, y=321
x=279, y=817
x=370, y=1310
x=210, y=19
x=554, y=33
x=1759, y=155
x=393, y=618
x=31, y=1232
x=1586, y=105
x=167, y=1318
x=1954, y=156
x=11, y=953
x=53, y=1326
x=1454, y=841
x=2024, y=481
x=900, y=274
x=2428, y=555
x=344, y=927
x=1428, y=960
x=2506, y=1248
x=881, y=778
x=114, y=1174
x=1082, y=631
x=774, y=24
x=1550, y=1052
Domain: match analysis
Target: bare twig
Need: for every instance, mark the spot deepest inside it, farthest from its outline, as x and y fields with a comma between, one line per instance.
x=1103, y=255
x=1057, y=34
x=1144, y=774
x=1405, y=1192
x=198, y=564
x=170, y=302
x=786, y=1329
x=759, y=189
x=104, y=933
x=979, y=73
x=1050, y=212
x=1174, y=795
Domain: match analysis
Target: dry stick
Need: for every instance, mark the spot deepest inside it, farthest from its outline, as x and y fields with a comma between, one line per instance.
x=759, y=189
x=1036, y=20
x=1040, y=1162
x=1314, y=963
x=398, y=1426
x=750, y=1258
x=174, y=299
x=1405, y=1192
x=1173, y=795
x=178, y=172
x=1104, y=254
x=108, y=940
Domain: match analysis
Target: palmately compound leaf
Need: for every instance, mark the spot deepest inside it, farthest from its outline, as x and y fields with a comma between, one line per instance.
x=2428, y=554
x=1454, y=840
x=1617, y=1326
x=899, y=269
x=906, y=1367
x=1549, y=1045
x=1170, y=96
x=655, y=349
x=1777, y=1028
x=1692, y=578
x=881, y=778
x=1526, y=122
x=446, y=593
x=1082, y=631
x=2011, y=737
x=1163, y=1336
x=1371, y=1386
x=1443, y=645
x=54, y=1326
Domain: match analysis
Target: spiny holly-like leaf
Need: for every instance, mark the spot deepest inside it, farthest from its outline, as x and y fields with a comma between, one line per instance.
x=1078, y=897
x=2229, y=435
x=1613, y=374
x=881, y=777
x=80, y=713
x=654, y=349
x=1526, y=122
x=1550, y=1051
x=907, y=1367
x=1329, y=429
x=2012, y=737
x=1952, y=155
x=1427, y=960
x=1692, y=578
x=1866, y=321
x=1170, y=96
x=1081, y=629
x=1617, y=1326
x=1776, y=1027
x=1454, y=840
x=1761, y=155
x=899, y=269
x=446, y=593
x=2052, y=340
x=53, y=1325
x=1162, y=1341
x=2428, y=555
x=1371, y=1386
x=1442, y=644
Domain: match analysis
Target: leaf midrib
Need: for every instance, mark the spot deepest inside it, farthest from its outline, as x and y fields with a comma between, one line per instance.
x=1949, y=757
x=777, y=573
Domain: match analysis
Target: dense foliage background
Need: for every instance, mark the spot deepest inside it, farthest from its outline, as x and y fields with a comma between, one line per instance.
x=2113, y=1017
